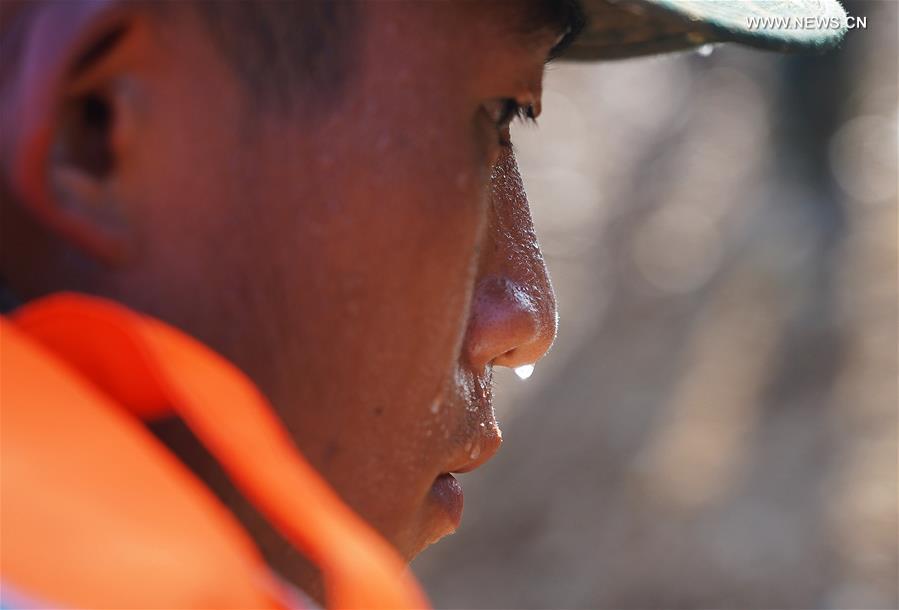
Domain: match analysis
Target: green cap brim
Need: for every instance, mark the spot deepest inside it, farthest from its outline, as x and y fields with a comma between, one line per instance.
x=628, y=28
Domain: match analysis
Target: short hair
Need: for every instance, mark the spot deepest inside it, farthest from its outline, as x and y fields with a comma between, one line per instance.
x=279, y=49
x=285, y=49
x=14, y=17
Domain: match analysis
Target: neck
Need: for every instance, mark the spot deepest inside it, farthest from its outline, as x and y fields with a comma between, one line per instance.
x=8, y=300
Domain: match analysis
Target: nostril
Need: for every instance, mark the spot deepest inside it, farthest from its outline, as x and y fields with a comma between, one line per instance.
x=521, y=357
x=508, y=359
x=508, y=325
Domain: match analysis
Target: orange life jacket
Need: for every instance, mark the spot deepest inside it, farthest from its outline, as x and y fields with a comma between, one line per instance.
x=97, y=513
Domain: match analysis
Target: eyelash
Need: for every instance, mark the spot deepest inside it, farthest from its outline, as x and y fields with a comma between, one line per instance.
x=508, y=113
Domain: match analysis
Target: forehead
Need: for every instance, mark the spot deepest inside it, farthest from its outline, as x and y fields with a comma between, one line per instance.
x=533, y=19
x=527, y=24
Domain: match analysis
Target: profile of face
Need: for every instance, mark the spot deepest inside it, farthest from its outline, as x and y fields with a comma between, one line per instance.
x=366, y=256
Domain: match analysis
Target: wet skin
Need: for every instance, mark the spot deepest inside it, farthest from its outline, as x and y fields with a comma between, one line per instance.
x=367, y=266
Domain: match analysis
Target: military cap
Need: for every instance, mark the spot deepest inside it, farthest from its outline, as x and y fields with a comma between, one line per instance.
x=627, y=28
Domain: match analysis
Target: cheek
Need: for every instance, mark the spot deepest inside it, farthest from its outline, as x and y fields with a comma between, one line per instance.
x=401, y=270
x=401, y=242
x=368, y=278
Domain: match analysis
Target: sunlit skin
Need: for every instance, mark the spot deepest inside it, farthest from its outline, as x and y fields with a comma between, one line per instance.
x=367, y=265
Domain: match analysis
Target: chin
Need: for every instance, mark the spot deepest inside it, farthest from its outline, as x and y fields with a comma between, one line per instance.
x=439, y=517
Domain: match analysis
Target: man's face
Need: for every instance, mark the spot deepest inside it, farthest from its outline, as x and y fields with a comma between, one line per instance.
x=367, y=262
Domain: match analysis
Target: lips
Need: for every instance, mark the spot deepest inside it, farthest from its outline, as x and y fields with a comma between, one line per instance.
x=447, y=494
x=479, y=450
x=446, y=491
x=484, y=440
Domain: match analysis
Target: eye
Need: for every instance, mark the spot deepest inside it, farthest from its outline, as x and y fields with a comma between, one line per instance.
x=503, y=112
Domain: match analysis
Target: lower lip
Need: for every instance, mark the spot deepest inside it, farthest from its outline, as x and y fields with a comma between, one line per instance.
x=447, y=493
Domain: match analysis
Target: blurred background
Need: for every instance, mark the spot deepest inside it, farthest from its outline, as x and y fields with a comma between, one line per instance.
x=716, y=425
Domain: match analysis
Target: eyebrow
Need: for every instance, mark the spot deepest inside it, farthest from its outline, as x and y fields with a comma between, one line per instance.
x=564, y=17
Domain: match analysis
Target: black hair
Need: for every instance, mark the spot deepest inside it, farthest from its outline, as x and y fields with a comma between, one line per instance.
x=283, y=50
x=280, y=49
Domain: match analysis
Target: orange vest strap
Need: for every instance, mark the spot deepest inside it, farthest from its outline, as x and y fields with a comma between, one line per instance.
x=154, y=369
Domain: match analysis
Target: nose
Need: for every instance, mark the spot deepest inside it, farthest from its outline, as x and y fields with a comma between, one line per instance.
x=513, y=316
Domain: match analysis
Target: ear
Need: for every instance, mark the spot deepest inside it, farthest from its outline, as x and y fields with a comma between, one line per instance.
x=69, y=122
